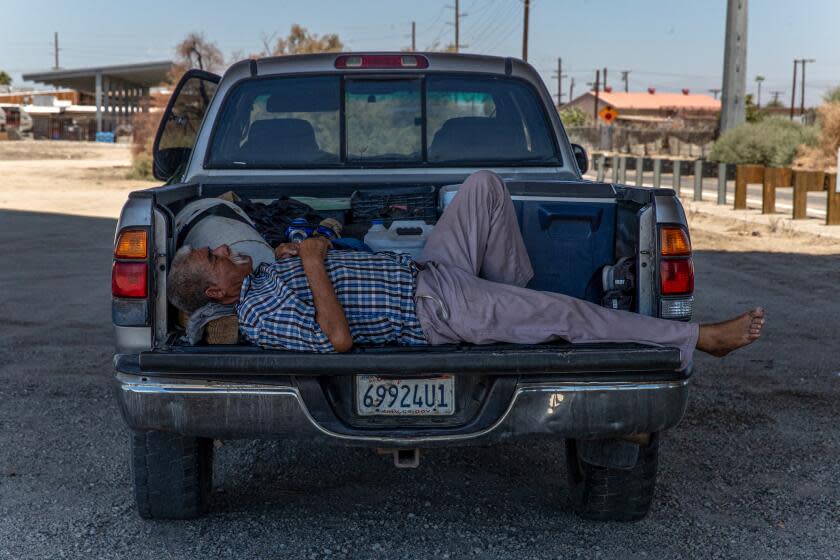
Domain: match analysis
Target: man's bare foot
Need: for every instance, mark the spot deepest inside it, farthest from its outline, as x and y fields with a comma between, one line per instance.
x=719, y=339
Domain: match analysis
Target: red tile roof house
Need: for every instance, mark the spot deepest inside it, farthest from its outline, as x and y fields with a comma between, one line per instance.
x=684, y=109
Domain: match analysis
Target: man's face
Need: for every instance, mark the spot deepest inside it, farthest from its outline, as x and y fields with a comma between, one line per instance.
x=226, y=270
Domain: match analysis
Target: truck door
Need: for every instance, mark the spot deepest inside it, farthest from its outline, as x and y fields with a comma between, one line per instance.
x=179, y=126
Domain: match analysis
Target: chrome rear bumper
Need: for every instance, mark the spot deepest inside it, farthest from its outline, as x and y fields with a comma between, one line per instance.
x=229, y=410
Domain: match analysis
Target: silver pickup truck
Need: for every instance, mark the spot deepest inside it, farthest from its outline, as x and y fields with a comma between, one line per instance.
x=331, y=125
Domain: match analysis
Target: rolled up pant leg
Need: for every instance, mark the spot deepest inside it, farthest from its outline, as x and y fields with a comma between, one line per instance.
x=478, y=311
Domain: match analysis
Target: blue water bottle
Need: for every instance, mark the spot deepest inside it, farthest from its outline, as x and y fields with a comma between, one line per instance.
x=298, y=230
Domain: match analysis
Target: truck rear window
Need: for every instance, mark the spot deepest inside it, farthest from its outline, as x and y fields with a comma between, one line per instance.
x=342, y=121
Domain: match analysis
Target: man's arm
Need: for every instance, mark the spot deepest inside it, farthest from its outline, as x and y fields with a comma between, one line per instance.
x=328, y=311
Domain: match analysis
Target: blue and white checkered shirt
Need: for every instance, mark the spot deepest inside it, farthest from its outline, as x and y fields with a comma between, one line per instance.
x=376, y=290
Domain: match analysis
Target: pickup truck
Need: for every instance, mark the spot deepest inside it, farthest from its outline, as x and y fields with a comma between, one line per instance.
x=328, y=125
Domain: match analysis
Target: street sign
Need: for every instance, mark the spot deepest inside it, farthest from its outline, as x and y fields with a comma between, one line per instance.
x=608, y=115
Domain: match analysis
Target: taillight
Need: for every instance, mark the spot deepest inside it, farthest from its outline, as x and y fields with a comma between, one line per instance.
x=677, y=277
x=674, y=242
x=131, y=244
x=676, y=274
x=362, y=61
x=129, y=280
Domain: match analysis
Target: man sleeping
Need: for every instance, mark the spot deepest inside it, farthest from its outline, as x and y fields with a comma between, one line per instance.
x=469, y=287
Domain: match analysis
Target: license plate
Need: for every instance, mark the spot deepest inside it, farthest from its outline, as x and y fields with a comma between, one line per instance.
x=429, y=396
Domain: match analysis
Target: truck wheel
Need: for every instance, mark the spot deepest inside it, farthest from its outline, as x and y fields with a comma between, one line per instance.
x=612, y=494
x=173, y=474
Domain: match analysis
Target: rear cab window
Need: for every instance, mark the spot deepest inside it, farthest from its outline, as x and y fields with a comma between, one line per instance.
x=400, y=121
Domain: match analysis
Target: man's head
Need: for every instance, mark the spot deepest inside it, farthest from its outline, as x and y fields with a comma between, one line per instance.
x=199, y=276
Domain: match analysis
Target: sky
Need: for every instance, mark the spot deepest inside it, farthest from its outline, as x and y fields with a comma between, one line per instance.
x=666, y=44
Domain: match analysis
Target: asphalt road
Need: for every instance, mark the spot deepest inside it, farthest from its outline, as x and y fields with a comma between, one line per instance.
x=752, y=471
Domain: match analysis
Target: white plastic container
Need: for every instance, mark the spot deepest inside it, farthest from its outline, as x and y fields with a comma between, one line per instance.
x=404, y=236
x=445, y=196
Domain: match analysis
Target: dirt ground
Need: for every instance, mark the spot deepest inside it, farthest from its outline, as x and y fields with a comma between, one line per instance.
x=751, y=472
x=83, y=179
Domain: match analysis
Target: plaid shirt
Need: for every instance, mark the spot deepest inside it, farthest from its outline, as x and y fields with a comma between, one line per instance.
x=376, y=291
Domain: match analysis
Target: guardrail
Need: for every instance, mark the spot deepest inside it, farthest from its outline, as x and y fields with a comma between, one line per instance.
x=620, y=167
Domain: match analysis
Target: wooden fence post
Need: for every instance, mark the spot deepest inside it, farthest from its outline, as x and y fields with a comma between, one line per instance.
x=698, y=179
x=832, y=211
x=614, y=165
x=721, y=198
x=774, y=177
x=622, y=170
x=803, y=182
x=744, y=175
x=640, y=171
x=657, y=173
x=677, y=173
x=599, y=163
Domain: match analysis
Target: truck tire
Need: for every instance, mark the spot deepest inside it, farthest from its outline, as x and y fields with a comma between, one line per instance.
x=173, y=474
x=612, y=494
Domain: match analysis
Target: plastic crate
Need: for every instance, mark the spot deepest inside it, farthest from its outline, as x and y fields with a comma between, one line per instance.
x=402, y=203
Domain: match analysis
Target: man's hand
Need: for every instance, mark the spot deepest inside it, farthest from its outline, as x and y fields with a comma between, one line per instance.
x=314, y=248
x=285, y=250
x=328, y=310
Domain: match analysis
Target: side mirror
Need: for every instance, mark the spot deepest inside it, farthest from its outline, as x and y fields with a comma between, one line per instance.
x=581, y=158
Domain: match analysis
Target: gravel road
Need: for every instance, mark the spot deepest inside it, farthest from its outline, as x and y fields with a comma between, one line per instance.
x=752, y=471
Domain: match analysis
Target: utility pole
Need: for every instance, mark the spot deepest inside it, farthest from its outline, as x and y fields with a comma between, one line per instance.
x=625, y=75
x=597, y=91
x=525, y=32
x=733, y=111
x=571, y=89
x=560, y=82
x=802, y=95
x=758, y=80
x=715, y=92
x=55, y=50
x=793, y=90
x=605, y=78
x=457, y=26
x=776, y=95
x=458, y=16
x=413, y=37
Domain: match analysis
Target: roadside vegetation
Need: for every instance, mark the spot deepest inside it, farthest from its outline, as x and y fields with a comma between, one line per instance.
x=771, y=141
x=774, y=140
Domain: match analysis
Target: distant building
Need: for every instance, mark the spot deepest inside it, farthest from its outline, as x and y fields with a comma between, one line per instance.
x=652, y=107
x=90, y=100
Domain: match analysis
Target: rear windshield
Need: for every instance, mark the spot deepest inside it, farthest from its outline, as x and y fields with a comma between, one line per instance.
x=340, y=121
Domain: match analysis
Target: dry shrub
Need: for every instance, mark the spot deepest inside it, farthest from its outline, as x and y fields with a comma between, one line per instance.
x=824, y=154
x=772, y=141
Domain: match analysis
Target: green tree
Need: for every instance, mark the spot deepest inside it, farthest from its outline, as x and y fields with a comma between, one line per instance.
x=753, y=112
x=573, y=116
x=5, y=79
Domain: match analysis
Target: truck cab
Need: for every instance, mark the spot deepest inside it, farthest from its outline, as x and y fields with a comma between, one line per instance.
x=330, y=126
